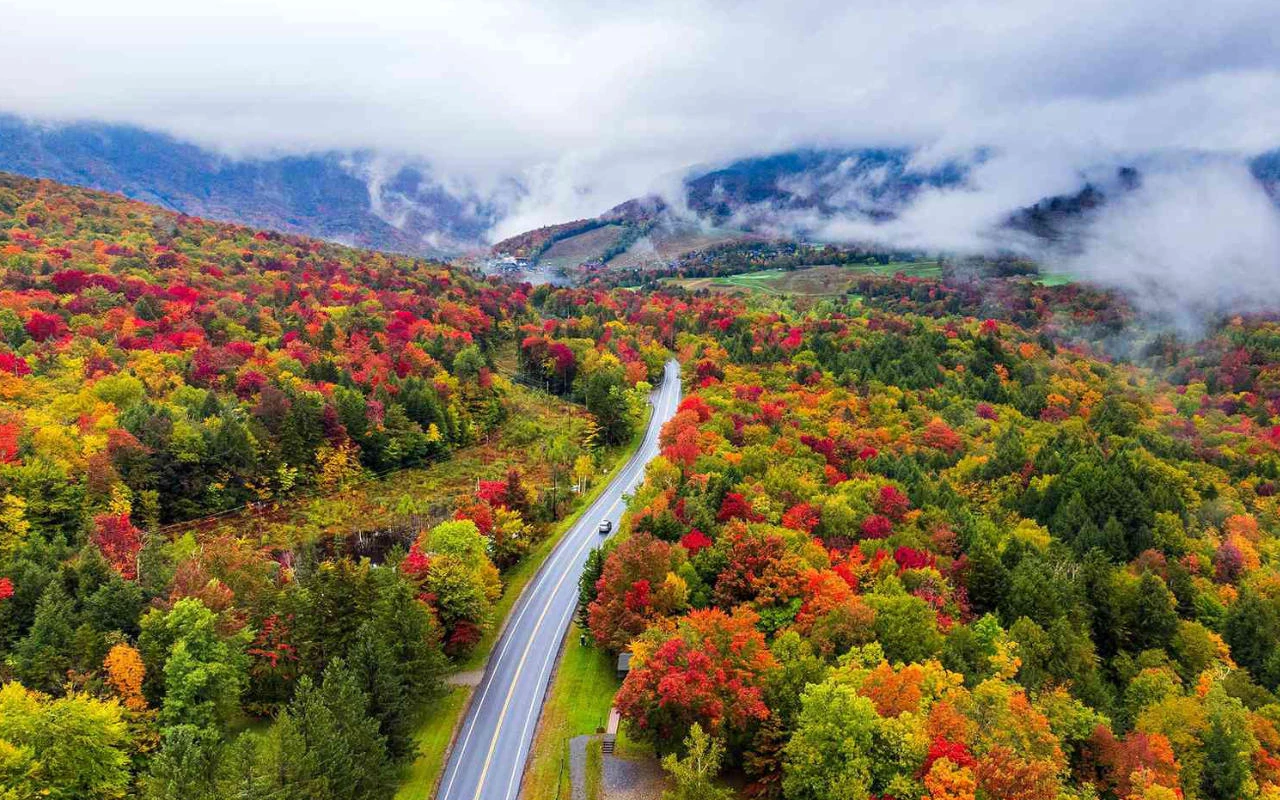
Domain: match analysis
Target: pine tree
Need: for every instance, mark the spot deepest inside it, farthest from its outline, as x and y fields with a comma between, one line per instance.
x=41, y=660
x=379, y=677
x=1155, y=615
x=986, y=578
x=413, y=634
x=284, y=766
x=334, y=722
x=591, y=572
x=1071, y=521
x=155, y=566
x=1114, y=540
x=186, y=766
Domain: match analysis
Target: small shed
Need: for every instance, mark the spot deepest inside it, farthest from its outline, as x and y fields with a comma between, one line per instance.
x=624, y=665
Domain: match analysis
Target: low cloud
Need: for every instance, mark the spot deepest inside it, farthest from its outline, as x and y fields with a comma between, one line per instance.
x=1197, y=239
x=590, y=103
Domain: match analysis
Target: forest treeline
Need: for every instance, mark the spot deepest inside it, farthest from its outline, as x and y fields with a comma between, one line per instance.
x=941, y=538
x=156, y=369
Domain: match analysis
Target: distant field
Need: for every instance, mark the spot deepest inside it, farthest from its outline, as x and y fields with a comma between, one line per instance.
x=807, y=281
x=1056, y=279
x=660, y=247
x=570, y=252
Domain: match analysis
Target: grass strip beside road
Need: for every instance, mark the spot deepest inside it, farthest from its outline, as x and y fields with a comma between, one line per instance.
x=435, y=737
x=578, y=703
x=432, y=743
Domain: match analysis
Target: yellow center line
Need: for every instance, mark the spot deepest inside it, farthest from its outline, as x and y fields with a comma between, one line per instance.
x=515, y=679
x=506, y=705
x=532, y=591
x=547, y=661
x=664, y=406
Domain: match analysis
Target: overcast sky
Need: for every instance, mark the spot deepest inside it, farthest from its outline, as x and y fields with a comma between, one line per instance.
x=589, y=103
x=488, y=86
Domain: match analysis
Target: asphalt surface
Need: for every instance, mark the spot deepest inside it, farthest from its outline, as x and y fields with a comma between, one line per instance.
x=489, y=754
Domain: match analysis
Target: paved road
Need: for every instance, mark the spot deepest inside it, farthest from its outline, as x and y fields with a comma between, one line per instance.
x=488, y=759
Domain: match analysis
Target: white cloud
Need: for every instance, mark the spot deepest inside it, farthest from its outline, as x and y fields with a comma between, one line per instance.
x=589, y=104
x=1196, y=239
x=595, y=102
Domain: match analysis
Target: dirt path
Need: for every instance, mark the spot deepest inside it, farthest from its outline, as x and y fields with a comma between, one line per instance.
x=623, y=779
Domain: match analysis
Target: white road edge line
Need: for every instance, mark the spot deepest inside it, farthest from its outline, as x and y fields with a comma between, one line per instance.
x=640, y=462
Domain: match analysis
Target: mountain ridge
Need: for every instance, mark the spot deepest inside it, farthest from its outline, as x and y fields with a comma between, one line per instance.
x=333, y=195
x=364, y=199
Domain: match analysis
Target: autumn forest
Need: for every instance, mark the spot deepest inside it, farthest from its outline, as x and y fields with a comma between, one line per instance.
x=966, y=536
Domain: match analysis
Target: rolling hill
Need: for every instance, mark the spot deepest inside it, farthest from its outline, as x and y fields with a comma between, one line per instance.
x=355, y=198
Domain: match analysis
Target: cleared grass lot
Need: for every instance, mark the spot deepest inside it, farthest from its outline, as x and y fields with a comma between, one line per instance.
x=1056, y=279
x=808, y=281
x=432, y=739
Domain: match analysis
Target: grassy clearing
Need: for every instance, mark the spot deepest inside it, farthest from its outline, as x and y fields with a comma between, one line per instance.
x=626, y=747
x=578, y=703
x=1056, y=279
x=662, y=246
x=382, y=502
x=818, y=281
x=432, y=739
x=572, y=251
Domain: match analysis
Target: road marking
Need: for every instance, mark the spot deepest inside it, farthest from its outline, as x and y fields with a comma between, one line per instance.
x=568, y=544
x=502, y=651
x=625, y=482
x=663, y=405
x=639, y=465
x=552, y=654
x=515, y=679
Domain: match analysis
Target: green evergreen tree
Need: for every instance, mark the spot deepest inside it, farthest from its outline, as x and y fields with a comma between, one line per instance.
x=411, y=631
x=155, y=564
x=587, y=584
x=284, y=766
x=334, y=722
x=604, y=394
x=1115, y=542
x=42, y=658
x=1155, y=615
x=987, y=578
x=186, y=767
x=379, y=676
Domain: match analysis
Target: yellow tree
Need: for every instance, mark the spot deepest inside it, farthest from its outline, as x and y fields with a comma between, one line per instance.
x=125, y=672
x=583, y=470
x=13, y=524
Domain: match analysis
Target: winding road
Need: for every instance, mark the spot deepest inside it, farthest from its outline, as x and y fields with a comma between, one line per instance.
x=489, y=754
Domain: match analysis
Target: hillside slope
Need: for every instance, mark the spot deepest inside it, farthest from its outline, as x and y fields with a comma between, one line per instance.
x=349, y=197
x=214, y=365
